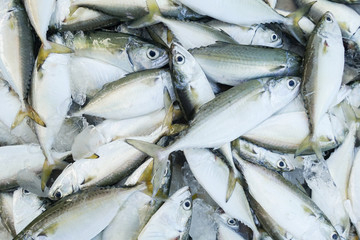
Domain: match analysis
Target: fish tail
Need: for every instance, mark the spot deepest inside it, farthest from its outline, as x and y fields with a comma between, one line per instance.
x=231, y=184
x=309, y=143
x=293, y=22
x=171, y=129
x=152, y=18
x=46, y=172
x=29, y=112
x=160, y=156
x=54, y=48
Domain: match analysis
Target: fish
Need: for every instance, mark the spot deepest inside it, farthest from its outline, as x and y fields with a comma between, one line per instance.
x=210, y=126
x=52, y=77
x=212, y=174
x=129, y=11
x=17, y=41
x=205, y=34
x=124, y=51
x=228, y=227
x=352, y=204
x=341, y=160
x=296, y=207
x=173, y=218
x=39, y=13
x=242, y=13
x=27, y=206
x=319, y=85
x=79, y=216
x=257, y=34
x=326, y=195
x=272, y=160
x=191, y=86
x=232, y=64
x=128, y=96
x=346, y=1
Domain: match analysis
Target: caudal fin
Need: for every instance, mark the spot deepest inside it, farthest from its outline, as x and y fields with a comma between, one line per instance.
x=29, y=112
x=54, y=48
x=308, y=144
x=160, y=156
x=293, y=22
x=152, y=18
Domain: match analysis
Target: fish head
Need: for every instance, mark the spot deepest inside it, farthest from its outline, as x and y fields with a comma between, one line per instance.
x=66, y=184
x=144, y=55
x=283, y=89
x=293, y=64
x=328, y=26
x=182, y=64
x=180, y=204
x=267, y=37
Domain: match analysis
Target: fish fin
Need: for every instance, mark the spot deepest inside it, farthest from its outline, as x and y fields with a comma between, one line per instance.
x=46, y=172
x=160, y=156
x=152, y=18
x=167, y=123
x=349, y=209
x=31, y=113
x=170, y=36
x=72, y=9
x=294, y=18
x=277, y=68
x=231, y=184
x=156, y=37
x=309, y=143
x=94, y=156
x=350, y=114
x=54, y=48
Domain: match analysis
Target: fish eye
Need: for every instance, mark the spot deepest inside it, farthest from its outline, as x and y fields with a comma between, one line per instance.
x=274, y=37
x=328, y=19
x=187, y=205
x=291, y=84
x=25, y=191
x=58, y=194
x=334, y=236
x=231, y=222
x=180, y=59
x=281, y=164
x=152, y=54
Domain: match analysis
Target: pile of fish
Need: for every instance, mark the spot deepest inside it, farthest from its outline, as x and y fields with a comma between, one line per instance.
x=179, y=119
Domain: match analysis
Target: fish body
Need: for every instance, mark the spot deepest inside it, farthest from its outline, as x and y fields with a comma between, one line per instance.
x=16, y=47
x=320, y=86
x=40, y=12
x=127, y=97
x=232, y=64
x=253, y=35
x=298, y=214
x=125, y=51
x=173, y=218
x=191, y=86
x=212, y=173
x=79, y=216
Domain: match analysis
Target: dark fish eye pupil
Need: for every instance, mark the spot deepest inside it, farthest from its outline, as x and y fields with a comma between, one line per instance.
x=26, y=191
x=180, y=59
x=281, y=164
x=187, y=204
x=152, y=53
x=334, y=236
x=58, y=194
x=328, y=19
x=274, y=37
x=291, y=83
